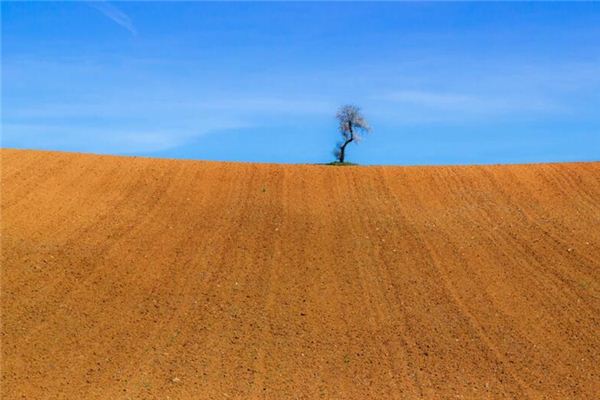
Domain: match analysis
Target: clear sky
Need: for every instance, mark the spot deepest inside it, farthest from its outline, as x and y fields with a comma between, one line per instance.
x=440, y=83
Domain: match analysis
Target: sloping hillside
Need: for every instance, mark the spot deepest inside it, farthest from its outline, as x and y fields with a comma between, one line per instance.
x=131, y=278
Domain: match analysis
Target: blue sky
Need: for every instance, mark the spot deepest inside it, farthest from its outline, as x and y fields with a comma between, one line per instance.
x=440, y=83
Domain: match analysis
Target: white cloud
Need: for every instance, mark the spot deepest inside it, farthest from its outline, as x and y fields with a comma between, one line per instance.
x=101, y=140
x=430, y=99
x=114, y=14
x=470, y=104
x=266, y=105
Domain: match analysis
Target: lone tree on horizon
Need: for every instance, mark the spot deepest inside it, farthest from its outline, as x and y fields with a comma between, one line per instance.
x=352, y=127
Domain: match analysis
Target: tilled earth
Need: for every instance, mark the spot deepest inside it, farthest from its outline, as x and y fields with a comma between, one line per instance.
x=133, y=278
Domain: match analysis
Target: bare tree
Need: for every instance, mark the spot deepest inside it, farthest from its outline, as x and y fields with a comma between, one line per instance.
x=352, y=127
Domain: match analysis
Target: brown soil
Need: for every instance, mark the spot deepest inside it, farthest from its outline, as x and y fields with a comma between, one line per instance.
x=133, y=278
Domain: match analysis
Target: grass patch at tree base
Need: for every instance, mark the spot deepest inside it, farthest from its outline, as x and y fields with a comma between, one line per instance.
x=340, y=164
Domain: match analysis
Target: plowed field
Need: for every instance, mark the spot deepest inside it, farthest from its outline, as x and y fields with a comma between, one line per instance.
x=134, y=278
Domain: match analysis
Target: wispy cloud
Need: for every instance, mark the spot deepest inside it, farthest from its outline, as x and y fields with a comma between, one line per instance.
x=267, y=105
x=131, y=125
x=431, y=99
x=492, y=103
x=108, y=139
x=114, y=14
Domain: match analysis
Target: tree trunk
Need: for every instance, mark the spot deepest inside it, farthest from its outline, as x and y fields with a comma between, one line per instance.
x=343, y=146
x=343, y=150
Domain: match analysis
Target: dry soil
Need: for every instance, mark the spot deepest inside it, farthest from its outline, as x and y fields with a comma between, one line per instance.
x=134, y=278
